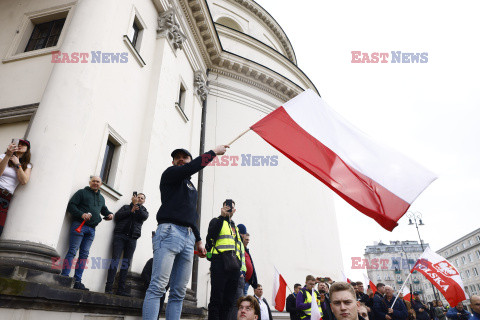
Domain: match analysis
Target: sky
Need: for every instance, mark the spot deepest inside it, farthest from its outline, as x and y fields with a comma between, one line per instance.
x=427, y=111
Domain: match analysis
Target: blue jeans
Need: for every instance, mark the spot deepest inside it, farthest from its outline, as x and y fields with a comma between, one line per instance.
x=82, y=240
x=172, y=260
x=245, y=290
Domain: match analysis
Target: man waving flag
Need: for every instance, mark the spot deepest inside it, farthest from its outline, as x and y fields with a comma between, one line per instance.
x=379, y=182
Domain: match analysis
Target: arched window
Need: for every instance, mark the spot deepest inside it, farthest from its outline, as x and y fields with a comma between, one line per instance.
x=228, y=22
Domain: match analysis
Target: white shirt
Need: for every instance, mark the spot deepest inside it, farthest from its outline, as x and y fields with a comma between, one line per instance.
x=263, y=309
x=8, y=179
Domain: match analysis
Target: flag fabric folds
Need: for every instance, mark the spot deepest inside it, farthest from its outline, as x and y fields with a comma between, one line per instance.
x=443, y=275
x=345, y=279
x=279, y=291
x=316, y=311
x=379, y=182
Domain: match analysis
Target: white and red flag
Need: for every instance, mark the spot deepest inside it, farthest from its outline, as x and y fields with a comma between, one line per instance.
x=370, y=283
x=379, y=182
x=279, y=291
x=316, y=311
x=407, y=295
x=443, y=275
x=345, y=279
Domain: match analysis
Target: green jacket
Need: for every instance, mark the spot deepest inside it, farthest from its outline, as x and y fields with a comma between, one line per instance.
x=86, y=200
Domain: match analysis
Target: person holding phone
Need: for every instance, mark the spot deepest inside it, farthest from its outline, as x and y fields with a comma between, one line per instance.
x=15, y=169
x=128, y=228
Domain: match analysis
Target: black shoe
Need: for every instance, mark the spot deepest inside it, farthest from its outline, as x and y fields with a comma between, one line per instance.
x=78, y=285
x=123, y=294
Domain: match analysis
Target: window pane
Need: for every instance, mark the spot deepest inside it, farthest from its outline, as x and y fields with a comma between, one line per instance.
x=45, y=35
x=107, y=161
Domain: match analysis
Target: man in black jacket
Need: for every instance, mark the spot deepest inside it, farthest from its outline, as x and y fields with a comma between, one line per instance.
x=177, y=233
x=292, y=302
x=128, y=228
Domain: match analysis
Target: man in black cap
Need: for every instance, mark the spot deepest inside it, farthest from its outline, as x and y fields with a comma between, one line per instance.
x=177, y=233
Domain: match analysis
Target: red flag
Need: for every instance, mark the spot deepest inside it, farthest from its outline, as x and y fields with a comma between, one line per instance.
x=379, y=182
x=443, y=275
x=279, y=291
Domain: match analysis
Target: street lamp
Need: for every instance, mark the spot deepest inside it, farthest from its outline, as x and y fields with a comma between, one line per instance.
x=418, y=216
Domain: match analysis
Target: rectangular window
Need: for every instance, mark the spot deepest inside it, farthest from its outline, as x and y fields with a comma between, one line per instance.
x=180, y=103
x=467, y=273
x=463, y=260
x=470, y=259
x=107, y=161
x=456, y=262
x=478, y=238
x=478, y=254
x=133, y=34
x=45, y=35
x=475, y=271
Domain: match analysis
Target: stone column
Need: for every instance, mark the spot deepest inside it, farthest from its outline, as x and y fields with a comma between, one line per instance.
x=37, y=211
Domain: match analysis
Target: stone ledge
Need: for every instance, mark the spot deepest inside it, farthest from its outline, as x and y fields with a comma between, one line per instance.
x=17, y=294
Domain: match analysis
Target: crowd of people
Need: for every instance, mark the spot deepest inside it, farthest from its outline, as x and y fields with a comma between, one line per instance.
x=232, y=271
x=379, y=305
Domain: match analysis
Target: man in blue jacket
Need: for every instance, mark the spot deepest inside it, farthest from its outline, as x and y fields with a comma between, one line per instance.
x=398, y=311
x=458, y=313
x=379, y=308
x=177, y=233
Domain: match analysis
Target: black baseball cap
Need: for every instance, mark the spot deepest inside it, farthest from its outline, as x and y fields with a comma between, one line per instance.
x=177, y=151
x=25, y=142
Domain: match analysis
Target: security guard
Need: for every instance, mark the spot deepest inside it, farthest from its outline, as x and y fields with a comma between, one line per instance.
x=304, y=299
x=227, y=255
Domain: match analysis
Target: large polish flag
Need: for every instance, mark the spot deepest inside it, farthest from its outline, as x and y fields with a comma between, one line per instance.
x=443, y=275
x=379, y=182
x=279, y=291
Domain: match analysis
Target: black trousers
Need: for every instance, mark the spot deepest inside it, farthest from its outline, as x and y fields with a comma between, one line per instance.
x=223, y=290
x=127, y=245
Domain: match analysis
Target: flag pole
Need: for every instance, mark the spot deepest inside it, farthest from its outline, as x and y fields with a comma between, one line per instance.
x=239, y=136
x=400, y=291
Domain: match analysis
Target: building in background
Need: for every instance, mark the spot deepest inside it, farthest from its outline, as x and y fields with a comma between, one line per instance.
x=394, y=262
x=111, y=88
x=464, y=254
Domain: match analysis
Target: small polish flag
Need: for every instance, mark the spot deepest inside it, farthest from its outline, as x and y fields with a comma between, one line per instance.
x=370, y=283
x=345, y=278
x=316, y=311
x=407, y=295
x=279, y=291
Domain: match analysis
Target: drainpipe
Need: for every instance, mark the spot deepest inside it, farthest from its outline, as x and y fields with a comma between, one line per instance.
x=200, y=190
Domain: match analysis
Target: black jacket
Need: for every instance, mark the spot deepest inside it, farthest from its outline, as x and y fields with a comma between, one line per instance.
x=253, y=280
x=380, y=308
x=292, y=307
x=268, y=307
x=130, y=223
x=178, y=194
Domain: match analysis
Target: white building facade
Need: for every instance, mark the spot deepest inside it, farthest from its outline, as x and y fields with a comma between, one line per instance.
x=395, y=260
x=464, y=254
x=112, y=87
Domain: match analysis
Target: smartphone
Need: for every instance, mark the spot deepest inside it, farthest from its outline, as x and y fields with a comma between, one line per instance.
x=229, y=203
x=15, y=141
x=134, y=193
